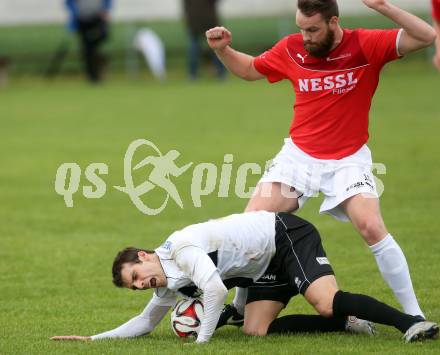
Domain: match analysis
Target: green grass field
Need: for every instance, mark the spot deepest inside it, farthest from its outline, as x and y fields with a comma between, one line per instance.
x=55, y=262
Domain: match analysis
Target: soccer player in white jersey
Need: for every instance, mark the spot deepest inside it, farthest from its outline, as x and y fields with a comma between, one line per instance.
x=334, y=73
x=208, y=258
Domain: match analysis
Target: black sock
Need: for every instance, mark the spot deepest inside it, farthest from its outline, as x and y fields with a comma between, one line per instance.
x=299, y=323
x=368, y=308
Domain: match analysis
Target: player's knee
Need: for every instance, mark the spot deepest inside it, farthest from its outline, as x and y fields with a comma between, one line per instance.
x=254, y=330
x=325, y=308
x=372, y=230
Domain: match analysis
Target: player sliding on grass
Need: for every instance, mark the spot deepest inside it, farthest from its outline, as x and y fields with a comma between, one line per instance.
x=334, y=73
x=238, y=250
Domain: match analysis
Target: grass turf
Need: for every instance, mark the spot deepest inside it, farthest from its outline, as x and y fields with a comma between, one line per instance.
x=56, y=261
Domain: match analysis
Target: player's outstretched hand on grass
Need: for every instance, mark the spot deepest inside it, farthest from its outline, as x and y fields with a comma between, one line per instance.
x=71, y=337
x=218, y=38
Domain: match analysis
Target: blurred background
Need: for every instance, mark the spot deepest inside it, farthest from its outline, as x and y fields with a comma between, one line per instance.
x=37, y=37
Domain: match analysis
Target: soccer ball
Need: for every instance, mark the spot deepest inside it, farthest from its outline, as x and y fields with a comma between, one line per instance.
x=186, y=318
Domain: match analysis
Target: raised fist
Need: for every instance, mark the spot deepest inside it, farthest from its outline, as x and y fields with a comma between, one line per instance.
x=218, y=38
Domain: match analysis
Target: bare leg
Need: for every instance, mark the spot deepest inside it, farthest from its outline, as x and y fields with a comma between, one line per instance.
x=273, y=197
x=258, y=316
x=320, y=295
x=364, y=213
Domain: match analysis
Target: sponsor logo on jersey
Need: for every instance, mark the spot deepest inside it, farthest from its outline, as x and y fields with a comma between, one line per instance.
x=339, y=84
x=356, y=185
x=368, y=182
x=322, y=261
x=270, y=277
x=303, y=59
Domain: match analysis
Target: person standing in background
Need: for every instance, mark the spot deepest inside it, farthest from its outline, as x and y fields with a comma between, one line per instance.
x=436, y=24
x=200, y=16
x=90, y=19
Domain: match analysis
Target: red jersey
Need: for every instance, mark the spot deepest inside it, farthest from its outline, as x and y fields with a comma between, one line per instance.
x=436, y=10
x=333, y=94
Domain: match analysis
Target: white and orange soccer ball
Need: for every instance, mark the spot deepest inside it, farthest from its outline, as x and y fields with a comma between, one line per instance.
x=186, y=318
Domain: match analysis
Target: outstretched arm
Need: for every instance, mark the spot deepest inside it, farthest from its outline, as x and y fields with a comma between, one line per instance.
x=142, y=324
x=239, y=64
x=416, y=34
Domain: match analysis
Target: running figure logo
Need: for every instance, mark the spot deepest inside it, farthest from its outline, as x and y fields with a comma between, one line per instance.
x=164, y=166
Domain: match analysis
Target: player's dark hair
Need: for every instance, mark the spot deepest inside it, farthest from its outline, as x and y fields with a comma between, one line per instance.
x=327, y=8
x=128, y=255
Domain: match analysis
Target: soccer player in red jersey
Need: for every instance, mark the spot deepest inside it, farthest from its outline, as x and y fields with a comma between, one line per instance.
x=334, y=73
x=436, y=21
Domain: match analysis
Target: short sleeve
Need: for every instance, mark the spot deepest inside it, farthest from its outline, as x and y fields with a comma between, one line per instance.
x=272, y=63
x=380, y=46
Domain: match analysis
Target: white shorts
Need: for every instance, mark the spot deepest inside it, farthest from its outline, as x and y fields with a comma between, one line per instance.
x=338, y=180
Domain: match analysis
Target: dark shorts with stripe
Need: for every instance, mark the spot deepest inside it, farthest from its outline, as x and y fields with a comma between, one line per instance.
x=299, y=260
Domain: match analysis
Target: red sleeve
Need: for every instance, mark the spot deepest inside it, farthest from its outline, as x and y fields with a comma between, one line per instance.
x=380, y=46
x=272, y=63
x=436, y=10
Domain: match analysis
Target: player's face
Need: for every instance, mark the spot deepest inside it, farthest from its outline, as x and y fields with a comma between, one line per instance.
x=144, y=275
x=318, y=34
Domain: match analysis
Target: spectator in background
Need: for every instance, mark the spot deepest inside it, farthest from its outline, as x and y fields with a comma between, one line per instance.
x=200, y=16
x=436, y=20
x=4, y=65
x=90, y=18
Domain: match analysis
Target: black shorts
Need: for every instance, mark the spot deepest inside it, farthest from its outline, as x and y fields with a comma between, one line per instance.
x=299, y=260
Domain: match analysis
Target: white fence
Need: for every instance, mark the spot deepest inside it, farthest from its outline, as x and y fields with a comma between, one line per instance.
x=52, y=11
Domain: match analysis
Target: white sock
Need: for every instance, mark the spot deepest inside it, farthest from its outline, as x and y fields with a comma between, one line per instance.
x=394, y=268
x=239, y=301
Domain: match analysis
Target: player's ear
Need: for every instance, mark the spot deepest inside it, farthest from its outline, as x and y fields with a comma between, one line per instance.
x=142, y=255
x=334, y=21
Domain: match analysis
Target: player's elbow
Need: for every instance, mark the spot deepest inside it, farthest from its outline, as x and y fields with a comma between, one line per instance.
x=433, y=38
x=219, y=289
x=249, y=77
x=222, y=291
x=430, y=37
x=250, y=73
x=246, y=76
x=424, y=39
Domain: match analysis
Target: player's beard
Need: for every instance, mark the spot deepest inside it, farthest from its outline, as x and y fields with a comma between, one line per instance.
x=323, y=48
